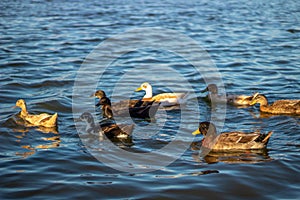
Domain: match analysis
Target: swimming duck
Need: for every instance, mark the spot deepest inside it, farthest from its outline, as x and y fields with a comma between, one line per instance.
x=238, y=100
x=278, y=107
x=42, y=119
x=106, y=107
x=166, y=99
x=109, y=129
x=231, y=140
x=136, y=108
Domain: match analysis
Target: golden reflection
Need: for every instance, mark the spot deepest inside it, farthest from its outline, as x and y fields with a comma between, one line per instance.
x=43, y=143
x=47, y=138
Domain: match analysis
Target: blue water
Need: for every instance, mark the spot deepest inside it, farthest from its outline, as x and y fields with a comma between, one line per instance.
x=44, y=45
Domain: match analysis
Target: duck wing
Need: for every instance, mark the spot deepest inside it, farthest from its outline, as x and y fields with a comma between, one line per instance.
x=147, y=111
x=124, y=104
x=236, y=141
x=286, y=106
x=168, y=96
x=49, y=121
x=127, y=128
x=237, y=137
x=113, y=131
x=40, y=119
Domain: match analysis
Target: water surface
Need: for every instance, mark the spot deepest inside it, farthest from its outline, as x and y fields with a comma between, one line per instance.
x=254, y=44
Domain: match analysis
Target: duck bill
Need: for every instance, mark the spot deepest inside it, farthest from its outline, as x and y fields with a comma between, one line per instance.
x=252, y=103
x=92, y=95
x=205, y=90
x=196, y=132
x=138, y=89
x=14, y=107
x=77, y=120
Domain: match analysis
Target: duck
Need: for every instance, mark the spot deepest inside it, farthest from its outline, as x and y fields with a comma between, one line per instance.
x=166, y=99
x=136, y=108
x=108, y=128
x=237, y=100
x=277, y=107
x=106, y=107
x=43, y=119
x=231, y=141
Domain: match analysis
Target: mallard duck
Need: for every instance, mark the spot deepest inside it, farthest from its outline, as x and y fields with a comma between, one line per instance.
x=231, y=140
x=108, y=128
x=42, y=119
x=106, y=107
x=166, y=99
x=136, y=108
x=278, y=107
x=238, y=100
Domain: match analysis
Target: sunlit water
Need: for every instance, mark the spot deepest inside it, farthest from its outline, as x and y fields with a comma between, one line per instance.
x=254, y=44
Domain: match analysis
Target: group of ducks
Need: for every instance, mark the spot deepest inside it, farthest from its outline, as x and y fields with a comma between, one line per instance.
x=149, y=104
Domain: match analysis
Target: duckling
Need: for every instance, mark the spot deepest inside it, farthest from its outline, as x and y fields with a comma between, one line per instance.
x=42, y=119
x=136, y=108
x=237, y=100
x=106, y=107
x=110, y=129
x=278, y=107
x=166, y=99
x=231, y=140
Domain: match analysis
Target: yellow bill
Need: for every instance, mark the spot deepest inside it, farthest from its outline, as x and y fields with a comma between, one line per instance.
x=196, y=132
x=252, y=103
x=138, y=89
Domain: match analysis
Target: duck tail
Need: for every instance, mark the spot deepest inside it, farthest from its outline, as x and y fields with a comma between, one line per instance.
x=53, y=119
x=184, y=97
x=266, y=139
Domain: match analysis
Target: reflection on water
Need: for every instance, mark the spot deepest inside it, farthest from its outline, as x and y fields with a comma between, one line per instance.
x=189, y=174
x=37, y=137
x=43, y=143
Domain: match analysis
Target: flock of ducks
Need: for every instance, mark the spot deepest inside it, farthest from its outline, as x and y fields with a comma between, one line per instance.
x=149, y=104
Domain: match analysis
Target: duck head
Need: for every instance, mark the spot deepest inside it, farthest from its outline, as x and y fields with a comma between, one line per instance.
x=86, y=117
x=147, y=88
x=204, y=128
x=21, y=104
x=259, y=98
x=212, y=88
x=99, y=94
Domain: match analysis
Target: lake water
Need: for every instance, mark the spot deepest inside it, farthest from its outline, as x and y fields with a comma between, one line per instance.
x=49, y=47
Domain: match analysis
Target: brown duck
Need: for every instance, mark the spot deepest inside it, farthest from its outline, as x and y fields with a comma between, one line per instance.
x=237, y=100
x=278, y=107
x=42, y=119
x=235, y=140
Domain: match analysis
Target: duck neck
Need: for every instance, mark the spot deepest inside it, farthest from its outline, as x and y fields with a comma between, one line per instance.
x=90, y=126
x=263, y=103
x=107, y=111
x=24, y=111
x=148, y=91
